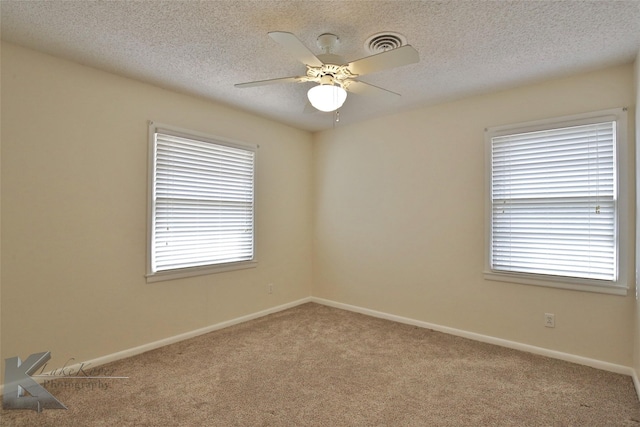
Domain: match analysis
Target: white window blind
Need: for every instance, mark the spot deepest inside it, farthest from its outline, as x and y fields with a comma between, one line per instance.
x=553, y=202
x=202, y=203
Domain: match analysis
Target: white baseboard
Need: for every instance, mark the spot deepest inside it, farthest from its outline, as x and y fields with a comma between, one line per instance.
x=636, y=382
x=191, y=334
x=170, y=340
x=606, y=366
x=594, y=363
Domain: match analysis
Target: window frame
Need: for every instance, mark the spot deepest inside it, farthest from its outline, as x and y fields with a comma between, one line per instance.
x=622, y=224
x=178, y=273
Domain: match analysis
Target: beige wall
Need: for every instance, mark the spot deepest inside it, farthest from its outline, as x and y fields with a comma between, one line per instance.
x=74, y=213
x=636, y=364
x=397, y=205
x=399, y=221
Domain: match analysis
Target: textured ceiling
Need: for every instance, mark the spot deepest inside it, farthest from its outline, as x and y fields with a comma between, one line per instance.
x=204, y=48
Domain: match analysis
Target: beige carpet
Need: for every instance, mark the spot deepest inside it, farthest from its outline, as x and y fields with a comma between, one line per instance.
x=318, y=366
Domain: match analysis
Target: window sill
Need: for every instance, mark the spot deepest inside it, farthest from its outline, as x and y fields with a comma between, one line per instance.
x=198, y=271
x=584, y=285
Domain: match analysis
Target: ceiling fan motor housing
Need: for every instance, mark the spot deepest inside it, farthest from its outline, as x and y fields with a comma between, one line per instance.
x=330, y=71
x=330, y=74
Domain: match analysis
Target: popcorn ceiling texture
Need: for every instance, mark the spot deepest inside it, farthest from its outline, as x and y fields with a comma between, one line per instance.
x=204, y=48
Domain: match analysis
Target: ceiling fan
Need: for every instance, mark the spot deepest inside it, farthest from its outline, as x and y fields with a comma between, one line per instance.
x=335, y=77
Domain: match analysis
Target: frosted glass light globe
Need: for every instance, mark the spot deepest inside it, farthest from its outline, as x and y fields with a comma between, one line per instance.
x=327, y=97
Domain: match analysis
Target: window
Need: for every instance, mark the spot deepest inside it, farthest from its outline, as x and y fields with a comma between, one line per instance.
x=554, y=215
x=202, y=213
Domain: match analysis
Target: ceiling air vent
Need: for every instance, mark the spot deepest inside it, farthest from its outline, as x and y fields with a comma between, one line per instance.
x=382, y=42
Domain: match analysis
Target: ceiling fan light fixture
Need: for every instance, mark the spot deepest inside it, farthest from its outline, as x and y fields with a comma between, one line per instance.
x=327, y=97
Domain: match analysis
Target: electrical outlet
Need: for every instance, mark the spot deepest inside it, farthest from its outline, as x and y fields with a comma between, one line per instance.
x=549, y=320
x=270, y=288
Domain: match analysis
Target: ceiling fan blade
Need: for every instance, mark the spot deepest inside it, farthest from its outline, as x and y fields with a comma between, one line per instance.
x=366, y=89
x=309, y=109
x=298, y=79
x=296, y=48
x=398, y=57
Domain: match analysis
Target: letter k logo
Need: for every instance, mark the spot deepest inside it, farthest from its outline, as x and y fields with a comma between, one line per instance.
x=17, y=380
